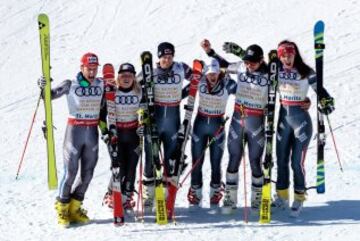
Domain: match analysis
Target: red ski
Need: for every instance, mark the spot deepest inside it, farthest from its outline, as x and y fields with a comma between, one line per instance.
x=113, y=150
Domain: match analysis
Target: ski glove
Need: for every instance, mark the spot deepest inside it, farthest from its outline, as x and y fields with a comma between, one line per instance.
x=233, y=48
x=41, y=82
x=327, y=105
x=109, y=137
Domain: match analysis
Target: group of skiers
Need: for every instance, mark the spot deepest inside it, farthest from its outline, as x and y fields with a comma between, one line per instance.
x=87, y=111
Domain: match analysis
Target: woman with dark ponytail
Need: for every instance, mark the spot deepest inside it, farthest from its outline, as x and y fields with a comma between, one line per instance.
x=294, y=128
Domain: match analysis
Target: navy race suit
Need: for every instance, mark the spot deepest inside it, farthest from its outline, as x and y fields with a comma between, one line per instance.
x=168, y=92
x=294, y=128
x=210, y=116
x=247, y=124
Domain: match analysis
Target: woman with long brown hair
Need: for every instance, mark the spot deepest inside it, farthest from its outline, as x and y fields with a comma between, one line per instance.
x=294, y=128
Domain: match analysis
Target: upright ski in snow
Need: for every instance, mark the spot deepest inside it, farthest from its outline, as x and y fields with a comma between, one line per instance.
x=152, y=135
x=265, y=207
x=113, y=150
x=44, y=31
x=319, y=53
x=177, y=159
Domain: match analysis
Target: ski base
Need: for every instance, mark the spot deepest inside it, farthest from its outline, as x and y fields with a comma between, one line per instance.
x=160, y=202
x=265, y=207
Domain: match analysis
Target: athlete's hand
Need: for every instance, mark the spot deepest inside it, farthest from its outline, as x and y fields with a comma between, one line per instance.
x=109, y=137
x=233, y=48
x=327, y=105
x=206, y=45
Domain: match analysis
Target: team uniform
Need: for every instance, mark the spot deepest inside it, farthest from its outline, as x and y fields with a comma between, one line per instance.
x=127, y=103
x=80, y=150
x=81, y=136
x=294, y=132
x=209, y=118
x=294, y=128
x=168, y=94
x=247, y=126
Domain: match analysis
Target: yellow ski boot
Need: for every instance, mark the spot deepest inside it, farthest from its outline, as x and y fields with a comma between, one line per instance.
x=77, y=213
x=297, y=205
x=281, y=199
x=63, y=213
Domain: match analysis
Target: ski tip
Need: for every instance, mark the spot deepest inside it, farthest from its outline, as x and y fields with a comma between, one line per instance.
x=43, y=16
x=146, y=54
x=319, y=26
x=272, y=54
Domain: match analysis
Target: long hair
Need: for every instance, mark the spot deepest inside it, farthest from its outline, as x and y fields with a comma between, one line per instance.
x=299, y=64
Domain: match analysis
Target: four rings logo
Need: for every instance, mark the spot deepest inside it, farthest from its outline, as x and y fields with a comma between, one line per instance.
x=253, y=79
x=288, y=76
x=204, y=90
x=88, y=91
x=127, y=99
x=168, y=79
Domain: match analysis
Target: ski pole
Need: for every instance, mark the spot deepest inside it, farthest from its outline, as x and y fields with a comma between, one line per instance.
x=140, y=195
x=244, y=172
x=212, y=140
x=333, y=139
x=28, y=136
x=141, y=144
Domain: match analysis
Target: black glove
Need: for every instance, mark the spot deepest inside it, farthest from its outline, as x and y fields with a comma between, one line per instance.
x=327, y=105
x=109, y=137
x=233, y=48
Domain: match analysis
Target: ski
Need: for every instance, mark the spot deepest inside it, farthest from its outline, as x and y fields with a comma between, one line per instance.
x=177, y=159
x=147, y=84
x=319, y=53
x=44, y=31
x=118, y=210
x=265, y=207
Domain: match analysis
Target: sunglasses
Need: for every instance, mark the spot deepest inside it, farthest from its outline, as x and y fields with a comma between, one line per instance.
x=286, y=49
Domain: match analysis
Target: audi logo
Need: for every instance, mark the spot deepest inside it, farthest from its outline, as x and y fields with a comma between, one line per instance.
x=88, y=91
x=290, y=75
x=168, y=79
x=127, y=99
x=253, y=79
x=203, y=89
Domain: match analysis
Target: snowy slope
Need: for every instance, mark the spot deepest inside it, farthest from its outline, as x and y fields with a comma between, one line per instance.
x=118, y=31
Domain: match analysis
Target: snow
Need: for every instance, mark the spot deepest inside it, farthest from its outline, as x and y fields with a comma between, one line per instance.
x=118, y=31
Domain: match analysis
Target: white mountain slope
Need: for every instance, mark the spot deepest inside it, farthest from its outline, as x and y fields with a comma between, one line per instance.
x=118, y=31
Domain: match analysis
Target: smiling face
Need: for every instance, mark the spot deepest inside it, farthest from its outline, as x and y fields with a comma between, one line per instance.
x=89, y=72
x=286, y=54
x=125, y=80
x=166, y=61
x=287, y=60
